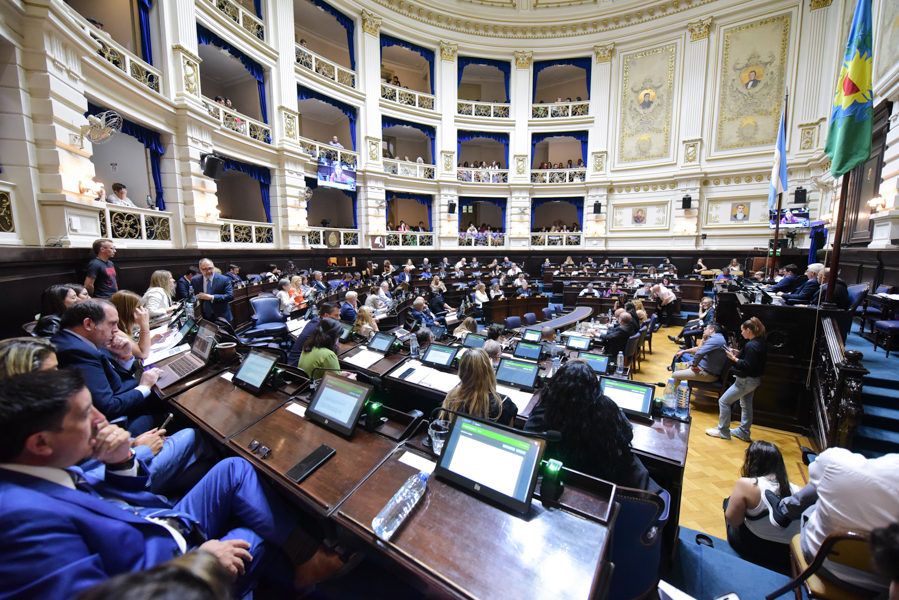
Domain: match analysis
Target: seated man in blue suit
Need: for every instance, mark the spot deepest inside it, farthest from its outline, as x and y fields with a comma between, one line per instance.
x=318, y=284
x=422, y=314
x=523, y=291
x=790, y=281
x=182, y=287
x=85, y=331
x=234, y=275
x=807, y=292
x=348, y=310
x=214, y=291
x=65, y=531
x=404, y=277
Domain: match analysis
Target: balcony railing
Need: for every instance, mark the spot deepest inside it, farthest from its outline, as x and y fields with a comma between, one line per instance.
x=234, y=11
x=124, y=223
x=324, y=67
x=238, y=123
x=560, y=110
x=558, y=175
x=489, y=110
x=406, y=97
x=331, y=237
x=408, y=169
x=482, y=175
x=566, y=238
x=243, y=232
x=395, y=239
x=317, y=150
x=482, y=239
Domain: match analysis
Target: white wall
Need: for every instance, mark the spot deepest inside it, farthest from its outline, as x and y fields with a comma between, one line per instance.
x=557, y=150
x=548, y=213
x=239, y=197
x=568, y=88
x=124, y=160
x=484, y=212
x=119, y=18
x=492, y=90
x=328, y=203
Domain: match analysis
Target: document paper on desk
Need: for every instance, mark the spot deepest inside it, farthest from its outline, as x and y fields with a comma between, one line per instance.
x=364, y=358
x=519, y=398
x=296, y=325
x=166, y=343
x=419, y=371
x=438, y=380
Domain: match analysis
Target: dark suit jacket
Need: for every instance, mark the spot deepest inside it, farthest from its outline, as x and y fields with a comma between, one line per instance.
x=112, y=397
x=222, y=293
x=235, y=279
x=616, y=339
x=840, y=295
x=293, y=358
x=805, y=294
x=786, y=285
x=182, y=289
x=320, y=286
x=348, y=313
x=425, y=317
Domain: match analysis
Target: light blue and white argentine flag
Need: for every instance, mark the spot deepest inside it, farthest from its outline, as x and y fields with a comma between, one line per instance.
x=779, y=170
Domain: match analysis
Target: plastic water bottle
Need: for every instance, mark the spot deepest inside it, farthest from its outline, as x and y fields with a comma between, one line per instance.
x=620, y=368
x=683, y=401
x=669, y=399
x=394, y=512
x=557, y=364
x=413, y=347
x=758, y=297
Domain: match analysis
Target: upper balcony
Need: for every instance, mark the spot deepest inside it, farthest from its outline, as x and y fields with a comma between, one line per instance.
x=404, y=97
x=239, y=123
x=318, y=150
x=324, y=67
x=559, y=176
x=242, y=17
x=487, y=110
x=468, y=175
x=414, y=170
x=560, y=110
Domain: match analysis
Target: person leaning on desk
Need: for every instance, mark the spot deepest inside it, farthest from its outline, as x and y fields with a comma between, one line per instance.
x=476, y=393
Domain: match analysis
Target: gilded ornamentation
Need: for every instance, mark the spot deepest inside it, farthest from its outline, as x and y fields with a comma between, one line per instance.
x=705, y=182
x=714, y=215
x=125, y=226
x=225, y=233
x=260, y=133
x=520, y=164
x=103, y=230
x=448, y=51
x=110, y=54
x=290, y=126
x=144, y=77
x=158, y=228
x=370, y=23
x=523, y=59
x=6, y=221
x=738, y=180
x=374, y=149
x=647, y=88
x=599, y=162
x=699, y=30
x=191, y=77
x=727, y=181
x=447, y=161
x=816, y=4
x=807, y=139
x=716, y=181
x=263, y=235
x=691, y=151
x=603, y=53
x=254, y=26
x=243, y=234
x=759, y=178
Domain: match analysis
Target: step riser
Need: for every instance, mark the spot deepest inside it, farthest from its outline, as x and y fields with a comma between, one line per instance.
x=880, y=423
x=861, y=444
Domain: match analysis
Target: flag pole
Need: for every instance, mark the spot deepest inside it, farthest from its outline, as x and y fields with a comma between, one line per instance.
x=776, y=233
x=838, y=237
x=780, y=195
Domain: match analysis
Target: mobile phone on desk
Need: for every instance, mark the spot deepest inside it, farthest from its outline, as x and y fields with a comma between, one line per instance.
x=314, y=460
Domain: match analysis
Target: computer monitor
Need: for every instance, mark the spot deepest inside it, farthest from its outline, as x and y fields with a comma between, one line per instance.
x=337, y=403
x=255, y=370
x=577, y=342
x=381, y=342
x=517, y=373
x=531, y=335
x=491, y=462
x=473, y=340
x=438, y=330
x=633, y=397
x=597, y=362
x=528, y=350
x=439, y=356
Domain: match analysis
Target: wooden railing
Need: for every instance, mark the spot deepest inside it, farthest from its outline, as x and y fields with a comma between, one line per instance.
x=324, y=67
x=557, y=238
x=490, y=110
x=576, y=175
x=482, y=239
x=237, y=122
x=408, y=169
x=246, y=232
x=836, y=388
x=560, y=110
x=406, y=97
x=126, y=223
x=482, y=175
x=318, y=150
x=333, y=237
x=237, y=13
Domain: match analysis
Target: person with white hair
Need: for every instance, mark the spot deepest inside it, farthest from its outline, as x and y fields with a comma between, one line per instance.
x=348, y=308
x=286, y=304
x=384, y=294
x=807, y=291
x=588, y=291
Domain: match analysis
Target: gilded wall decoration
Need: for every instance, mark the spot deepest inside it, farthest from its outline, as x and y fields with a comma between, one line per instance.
x=807, y=137
x=647, y=92
x=523, y=59
x=520, y=164
x=640, y=216
x=448, y=51
x=691, y=152
x=191, y=77
x=816, y=4
x=753, y=72
x=599, y=162
x=448, y=162
x=374, y=149
x=699, y=30
x=887, y=52
x=733, y=213
x=370, y=23
x=290, y=125
x=604, y=53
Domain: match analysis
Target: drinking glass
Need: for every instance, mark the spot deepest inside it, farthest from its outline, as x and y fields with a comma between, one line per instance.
x=439, y=432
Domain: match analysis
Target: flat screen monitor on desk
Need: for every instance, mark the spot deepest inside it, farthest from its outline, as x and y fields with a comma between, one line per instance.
x=576, y=342
x=381, y=342
x=519, y=374
x=439, y=356
x=598, y=362
x=473, y=340
x=255, y=370
x=531, y=335
x=337, y=403
x=491, y=462
x=527, y=350
x=438, y=330
x=633, y=397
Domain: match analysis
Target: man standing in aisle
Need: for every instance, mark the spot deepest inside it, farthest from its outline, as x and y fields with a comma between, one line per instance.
x=100, y=281
x=214, y=290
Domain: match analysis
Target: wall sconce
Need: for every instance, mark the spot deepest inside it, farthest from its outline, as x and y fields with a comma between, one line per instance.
x=213, y=213
x=90, y=187
x=876, y=203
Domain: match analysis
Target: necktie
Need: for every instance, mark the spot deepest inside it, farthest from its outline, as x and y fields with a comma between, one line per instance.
x=208, y=305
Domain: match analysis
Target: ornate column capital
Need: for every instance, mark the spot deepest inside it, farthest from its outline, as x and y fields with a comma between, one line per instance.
x=816, y=4
x=603, y=53
x=448, y=51
x=699, y=30
x=370, y=23
x=523, y=59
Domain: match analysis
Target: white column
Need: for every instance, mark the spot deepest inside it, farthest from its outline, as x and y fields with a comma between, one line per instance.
x=692, y=95
x=279, y=21
x=447, y=88
x=602, y=110
x=594, y=226
x=444, y=224
x=813, y=97
x=520, y=139
x=368, y=71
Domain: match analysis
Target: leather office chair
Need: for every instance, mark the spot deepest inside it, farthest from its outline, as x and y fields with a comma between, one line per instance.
x=547, y=313
x=267, y=318
x=630, y=352
x=636, y=548
x=513, y=322
x=650, y=329
x=637, y=355
x=716, y=387
x=530, y=319
x=857, y=295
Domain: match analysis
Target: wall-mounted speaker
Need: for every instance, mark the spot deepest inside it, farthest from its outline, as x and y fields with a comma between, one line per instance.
x=212, y=165
x=451, y=208
x=704, y=236
x=597, y=208
x=800, y=196
x=687, y=202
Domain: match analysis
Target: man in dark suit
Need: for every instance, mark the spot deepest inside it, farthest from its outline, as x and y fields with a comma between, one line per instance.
x=752, y=82
x=86, y=329
x=64, y=530
x=318, y=284
x=840, y=292
x=182, y=288
x=809, y=290
x=616, y=339
x=404, y=277
x=214, y=291
x=233, y=275
x=524, y=291
x=421, y=313
x=790, y=281
x=348, y=310
x=329, y=310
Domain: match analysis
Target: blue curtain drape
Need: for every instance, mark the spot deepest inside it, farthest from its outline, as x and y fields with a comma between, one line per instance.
x=426, y=199
x=469, y=200
x=143, y=18
x=581, y=136
x=581, y=63
x=257, y=4
x=260, y=174
x=150, y=140
x=503, y=65
x=578, y=204
x=388, y=40
x=313, y=183
x=466, y=136
x=428, y=131
x=348, y=24
x=817, y=238
x=204, y=36
x=304, y=93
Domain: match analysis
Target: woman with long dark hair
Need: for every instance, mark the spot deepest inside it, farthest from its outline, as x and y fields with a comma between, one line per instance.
x=54, y=301
x=476, y=395
x=750, y=530
x=749, y=366
x=596, y=436
x=318, y=352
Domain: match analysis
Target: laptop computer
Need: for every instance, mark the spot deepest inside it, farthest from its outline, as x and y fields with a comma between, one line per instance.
x=191, y=362
x=633, y=397
x=473, y=340
x=577, y=342
x=528, y=350
x=518, y=374
x=255, y=370
x=439, y=357
x=337, y=403
x=491, y=462
x=598, y=362
x=531, y=335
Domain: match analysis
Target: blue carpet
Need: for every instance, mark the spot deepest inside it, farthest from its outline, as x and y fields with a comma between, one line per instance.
x=883, y=370
x=706, y=573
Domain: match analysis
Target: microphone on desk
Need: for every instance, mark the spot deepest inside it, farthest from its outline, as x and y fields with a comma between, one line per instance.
x=373, y=380
x=550, y=436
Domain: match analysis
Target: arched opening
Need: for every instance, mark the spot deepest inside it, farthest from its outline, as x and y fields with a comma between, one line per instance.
x=482, y=214
x=407, y=143
x=330, y=206
x=481, y=150
x=410, y=211
x=546, y=213
x=482, y=83
x=561, y=83
x=406, y=65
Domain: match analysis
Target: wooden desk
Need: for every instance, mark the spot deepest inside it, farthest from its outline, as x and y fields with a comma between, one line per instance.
x=568, y=320
x=291, y=438
x=496, y=311
x=379, y=368
x=466, y=548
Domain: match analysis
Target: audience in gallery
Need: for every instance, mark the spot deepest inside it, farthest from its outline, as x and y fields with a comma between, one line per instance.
x=476, y=393
x=119, y=197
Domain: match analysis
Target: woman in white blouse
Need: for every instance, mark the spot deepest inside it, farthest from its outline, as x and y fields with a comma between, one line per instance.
x=437, y=285
x=480, y=295
x=158, y=298
x=286, y=302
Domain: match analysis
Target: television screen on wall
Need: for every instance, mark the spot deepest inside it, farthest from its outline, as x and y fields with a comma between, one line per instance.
x=790, y=218
x=335, y=174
